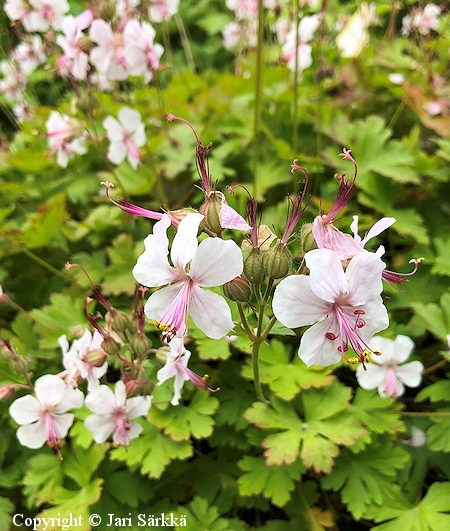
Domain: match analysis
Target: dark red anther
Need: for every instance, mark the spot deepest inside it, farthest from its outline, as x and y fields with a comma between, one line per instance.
x=331, y=336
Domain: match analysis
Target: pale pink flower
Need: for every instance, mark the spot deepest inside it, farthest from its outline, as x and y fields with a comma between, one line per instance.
x=346, y=307
x=18, y=10
x=160, y=10
x=14, y=80
x=231, y=35
x=109, y=56
x=389, y=372
x=243, y=9
x=74, y=359
x=74, y=59
x=29, y=55
x=113, y=413
x=47, y=14
x=126, y=136
x=64, y=137
x=176, y=368
x=306, y=30
x=396, y=78
x=142, y=53
x=211, y=263
x=423, y=20
x=44, y=417
x=434, y=108
x=126, y=8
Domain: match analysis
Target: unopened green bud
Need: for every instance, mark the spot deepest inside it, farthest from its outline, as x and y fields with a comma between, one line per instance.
x=254, y=267
x=161, y=354
x=308, y=242
x=85, y=44
x=96, y=357
x=211, y=210
x=277, y=261
x=18, y=364
x=110, y=346
x=238, y=289
x=107, y=11
x=132, y=388
x=181, y=213
x=119, y=320
x=141, y=344
x=88, y=103
x=142, y=387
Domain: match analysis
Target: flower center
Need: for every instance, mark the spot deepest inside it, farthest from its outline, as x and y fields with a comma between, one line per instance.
x=176, y=315
x=53, y=435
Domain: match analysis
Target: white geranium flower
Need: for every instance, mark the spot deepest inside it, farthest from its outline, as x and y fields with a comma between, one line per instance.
x=63, y=137
x=346, y=307
x=142, y=53
x=109, y=55
x=355, y=35
x=47, y=14
x=113, y=413
x=126, y=136
x=160, y=10
x=389, y=372
x=44, y=417
x=213, y=262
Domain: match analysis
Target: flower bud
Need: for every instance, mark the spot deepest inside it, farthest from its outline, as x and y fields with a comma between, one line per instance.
x=87, y=103
x=96, y=357
x=107, y=11
x=141, y=344
x=211, y=210
x=6, y=392
x=19, y=364
x=181, y=213
x=238, y=289
x=146, y=387
x=85, y=44
x=277, y=261
x=308, y=242
x=119, y=320
x=254, y=267
x=161, y=354
x=110, y=346
x=132, y=388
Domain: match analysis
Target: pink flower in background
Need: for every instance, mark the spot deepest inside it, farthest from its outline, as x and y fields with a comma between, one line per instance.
x=29, y=55
x=47, y=14
x=306, y=30
x=243, y=9
x=423, y=20
x=176, y=367
x=389, y=372
x=18, y=10
x=211, y=263
x=160, y=10
x=109, y=56
x=76, y=359
x=44, y=417
x=74, y=59
x=142, y=53
x=345, y=308
x=126, y=136
x=114, y=414
x=14, y=80
x=63, y=137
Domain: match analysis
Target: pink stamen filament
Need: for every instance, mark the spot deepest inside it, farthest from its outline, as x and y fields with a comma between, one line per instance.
x=348, y=334
x=53, y=435
x=201, y=383
x=123, y=426
x=177, y=314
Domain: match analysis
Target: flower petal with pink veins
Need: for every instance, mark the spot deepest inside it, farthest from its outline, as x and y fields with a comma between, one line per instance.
x=327, y=277
x=378, y=228
x=138, y=406
x=49, y=389
x=295, y=304
x=158, y=302
x=210, y=312
x=316, y=348
x=364, y=278
x=152, y=268
x=216, y=262
x=63, y=423
x=101, y=427
x=113, y=129
x=185, y=243
x=230, y=219
x=32, y=435
x=102, y=401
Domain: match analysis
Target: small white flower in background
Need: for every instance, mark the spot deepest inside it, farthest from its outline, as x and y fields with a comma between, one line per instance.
x=76, y=359
x=142, y=53
x=14, y=80
x=211, y=263
x=306, y=30
x=18, y=10
x=29, y=55
x=434, y=108
x=109, y=55
x=396, y=78
x=44, y=417
x=74, y=59
x=113, y=414
x=418, y=438
x=126, y=7
x=355, y=36
x=46, y=14
x=64, y=137
x=176, y=367
x=126, y=136
x=389, y=372
x=231, y=35
x=423, y=20
x=160, y=10
x=345, y=308
x=243, y=9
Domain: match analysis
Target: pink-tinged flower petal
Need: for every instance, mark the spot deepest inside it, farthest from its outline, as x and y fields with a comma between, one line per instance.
x=410, y=373
x=152, y=268
x=25, y=409
x=100, y=426
x=123, y=439
x=354, y=229
x=230, y=219
x=375, y=317
x=101, y=33
x=32, y=435
x=72, y=399
x=216, y=262
x=327, y=278
x=121, y=394
x=102, y=401
x=295, y=304
x=378, y=228
x=160, y=231
x=158, y=302
x=372, y=377
x=316, y=348
x=84, y=20
x=210, y=312
x=63, y=423
x=138, y=138
x=138, y=406
x=130, y=118
x=327, y=236
x=49, y=389
x=391, y=386
x=185, y=243
x=364, y=278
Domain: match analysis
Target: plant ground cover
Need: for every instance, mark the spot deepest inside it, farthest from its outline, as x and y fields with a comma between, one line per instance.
x=274, y=426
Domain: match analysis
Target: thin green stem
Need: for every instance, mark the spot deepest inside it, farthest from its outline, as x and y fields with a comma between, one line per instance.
x=432, y=368
x=185, y=42
x=258, y=86
x=268, y=328
x=244, y=322
x=255, y=365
